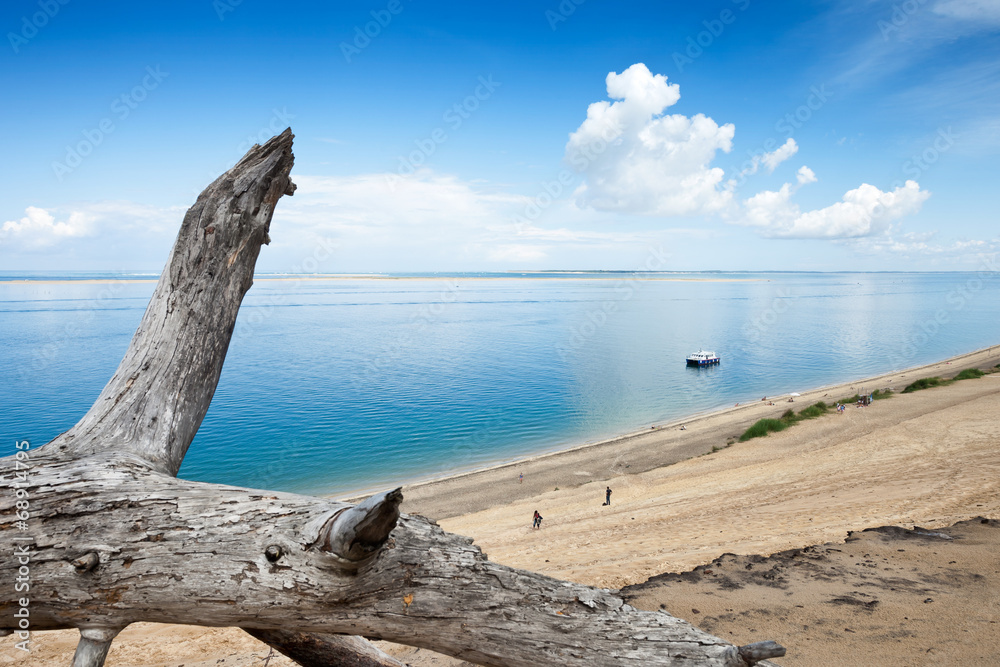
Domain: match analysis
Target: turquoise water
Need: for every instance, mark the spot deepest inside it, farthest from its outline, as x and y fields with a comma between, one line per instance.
x=336, y=385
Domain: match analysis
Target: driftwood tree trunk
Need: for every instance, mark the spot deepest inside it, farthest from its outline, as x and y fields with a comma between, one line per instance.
x=109, y=536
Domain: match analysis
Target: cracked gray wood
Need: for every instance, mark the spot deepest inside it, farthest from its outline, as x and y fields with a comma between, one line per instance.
x=116, y=538
x=319, y=650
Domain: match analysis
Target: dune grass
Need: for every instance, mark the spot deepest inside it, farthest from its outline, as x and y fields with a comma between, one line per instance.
x=762, y=427
x=813, y=411
x=923, y=383
x=926, y=383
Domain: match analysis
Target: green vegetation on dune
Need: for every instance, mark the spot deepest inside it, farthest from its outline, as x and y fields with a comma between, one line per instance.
x=926, y=383
x=813, y=411
x=762, y=427
x=923, y=383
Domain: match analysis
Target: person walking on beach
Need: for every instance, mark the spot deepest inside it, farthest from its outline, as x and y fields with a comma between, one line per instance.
x=537, y=522
x=520, y=480
x=607, y=496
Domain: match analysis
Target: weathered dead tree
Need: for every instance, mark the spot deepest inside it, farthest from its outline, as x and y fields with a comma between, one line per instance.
x=112, y=537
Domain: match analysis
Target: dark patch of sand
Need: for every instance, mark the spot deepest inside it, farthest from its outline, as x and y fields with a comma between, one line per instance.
x=885, y=596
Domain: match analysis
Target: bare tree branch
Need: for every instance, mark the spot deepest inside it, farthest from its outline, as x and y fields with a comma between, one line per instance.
x=154, y=403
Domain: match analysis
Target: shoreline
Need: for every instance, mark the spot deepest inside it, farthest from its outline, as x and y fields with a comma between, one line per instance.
x=683, y=498
x=423, y=483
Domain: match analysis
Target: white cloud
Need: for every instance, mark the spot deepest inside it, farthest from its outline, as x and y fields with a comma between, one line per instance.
x=99, y=228
x=864, y=211
x=424, y=222
x=428, y=220
x=987, y=11
x=773, y=159
x=770, y=160
x=965, y=253
x=39, y=229
x=805, y=175
x=637, y=160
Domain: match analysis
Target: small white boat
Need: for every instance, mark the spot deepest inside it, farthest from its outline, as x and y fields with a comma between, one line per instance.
x=703, y=358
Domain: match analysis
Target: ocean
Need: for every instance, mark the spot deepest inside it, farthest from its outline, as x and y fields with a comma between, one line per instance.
x=333, y=385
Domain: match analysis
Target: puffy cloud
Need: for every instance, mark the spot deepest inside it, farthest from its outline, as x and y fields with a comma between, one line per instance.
x=805, y=175
x=39, y=229
x=864, y=211
x=637, y=160
x=102, y=235
x=102, y=221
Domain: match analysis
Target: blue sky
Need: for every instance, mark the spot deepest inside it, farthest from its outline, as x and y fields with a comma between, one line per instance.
x=731, y=135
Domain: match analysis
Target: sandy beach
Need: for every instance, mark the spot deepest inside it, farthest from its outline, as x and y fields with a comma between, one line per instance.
x=684, y=498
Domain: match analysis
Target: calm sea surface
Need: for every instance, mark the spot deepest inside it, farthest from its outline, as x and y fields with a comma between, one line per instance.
x=336, y=385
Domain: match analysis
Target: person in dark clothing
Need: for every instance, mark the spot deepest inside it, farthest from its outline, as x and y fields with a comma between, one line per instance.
x=537, y=523
x=607, y=496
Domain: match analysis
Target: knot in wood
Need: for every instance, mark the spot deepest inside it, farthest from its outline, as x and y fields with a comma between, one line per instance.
x=273, y=553
x=86, y=562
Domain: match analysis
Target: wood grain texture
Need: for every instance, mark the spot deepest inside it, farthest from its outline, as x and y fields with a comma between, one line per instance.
x=319, y=650
x=173, y=551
